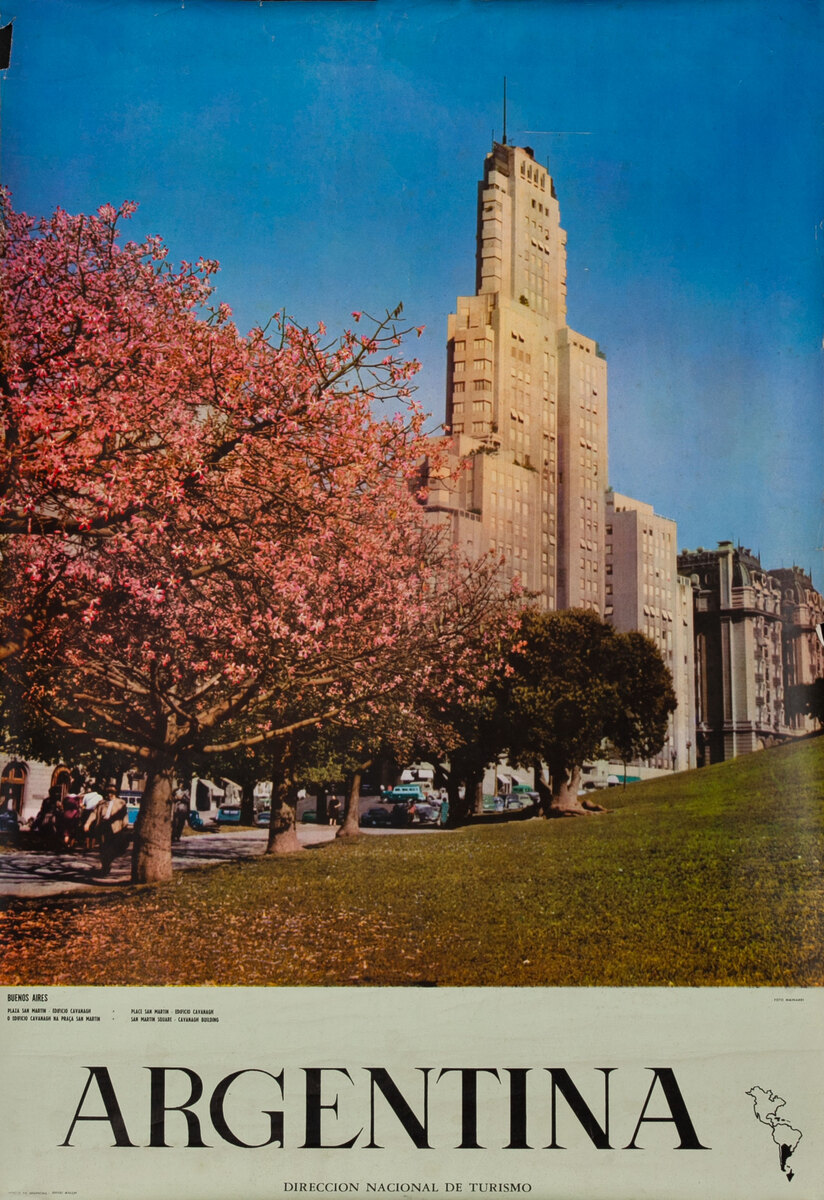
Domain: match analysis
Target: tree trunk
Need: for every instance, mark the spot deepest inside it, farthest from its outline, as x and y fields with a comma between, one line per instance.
x=565, y=799
x=441, y=776
x=350, y=827
x=152, y=849
x=283, y=834
x=543, y=787
x=453, y=795
x=351, y=820
x=475, y=792
x=464, y=806
x=247, y=802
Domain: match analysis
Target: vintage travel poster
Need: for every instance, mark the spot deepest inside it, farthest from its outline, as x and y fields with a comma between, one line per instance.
x=421, y=398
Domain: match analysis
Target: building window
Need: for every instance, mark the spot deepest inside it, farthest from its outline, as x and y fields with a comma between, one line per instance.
x=13, y=785
x=61, y=779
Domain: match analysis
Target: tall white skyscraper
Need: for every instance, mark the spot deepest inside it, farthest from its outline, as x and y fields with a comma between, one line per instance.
x=526, y=398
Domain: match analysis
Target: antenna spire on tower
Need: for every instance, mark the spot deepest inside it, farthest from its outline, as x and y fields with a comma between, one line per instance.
x=503, y=143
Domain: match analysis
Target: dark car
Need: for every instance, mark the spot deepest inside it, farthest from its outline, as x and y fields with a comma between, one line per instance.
x=376, y=816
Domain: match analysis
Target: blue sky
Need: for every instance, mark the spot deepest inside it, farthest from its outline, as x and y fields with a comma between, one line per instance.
x=327, y=154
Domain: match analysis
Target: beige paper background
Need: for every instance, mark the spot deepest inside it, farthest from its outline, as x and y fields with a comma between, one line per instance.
x=720, y=1043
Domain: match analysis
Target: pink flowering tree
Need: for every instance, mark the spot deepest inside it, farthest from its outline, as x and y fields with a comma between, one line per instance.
x=215, y=540
x=121, y=391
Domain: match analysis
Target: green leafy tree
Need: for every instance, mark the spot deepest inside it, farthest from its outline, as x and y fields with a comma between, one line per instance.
x=575, y=682
x=465, y=735
x=645, y=695
x=337, y=752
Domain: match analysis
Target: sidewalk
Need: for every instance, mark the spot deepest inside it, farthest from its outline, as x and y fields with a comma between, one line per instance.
x=33, y=873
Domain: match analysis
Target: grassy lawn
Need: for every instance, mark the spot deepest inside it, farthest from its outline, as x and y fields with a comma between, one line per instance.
x=710, y=877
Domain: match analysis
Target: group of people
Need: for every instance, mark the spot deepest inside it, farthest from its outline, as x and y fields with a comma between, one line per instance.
x=85, y=819
x=434, y=806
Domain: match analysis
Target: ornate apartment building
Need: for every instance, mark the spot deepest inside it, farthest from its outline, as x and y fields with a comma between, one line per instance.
x=802, y=609
x=754, y=639
x=526, y=398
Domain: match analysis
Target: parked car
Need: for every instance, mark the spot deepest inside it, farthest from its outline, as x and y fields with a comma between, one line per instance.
x=493, y=804
x=263, y=818
x=376, y=816
x=227, y=814
x=521, y=800
x=404, y=791
x=9, y=825
x=427, y=813
x=132, y=803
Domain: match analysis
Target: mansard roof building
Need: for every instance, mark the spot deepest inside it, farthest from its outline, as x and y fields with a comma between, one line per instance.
x=802, y=609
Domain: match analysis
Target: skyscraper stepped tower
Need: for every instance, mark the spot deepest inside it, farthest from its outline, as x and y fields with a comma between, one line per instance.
x=526, y=398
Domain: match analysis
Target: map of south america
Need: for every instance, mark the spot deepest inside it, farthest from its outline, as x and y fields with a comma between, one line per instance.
x=766, y=1105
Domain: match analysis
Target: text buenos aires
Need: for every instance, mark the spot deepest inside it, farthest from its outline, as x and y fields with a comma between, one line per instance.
x=335, y=1101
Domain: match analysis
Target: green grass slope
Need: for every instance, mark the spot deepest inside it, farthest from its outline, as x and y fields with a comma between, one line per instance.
x=712, y=877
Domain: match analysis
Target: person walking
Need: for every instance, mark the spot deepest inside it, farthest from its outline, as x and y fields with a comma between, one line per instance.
x=180, y=812
x=89, y=801
x=112, y=828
